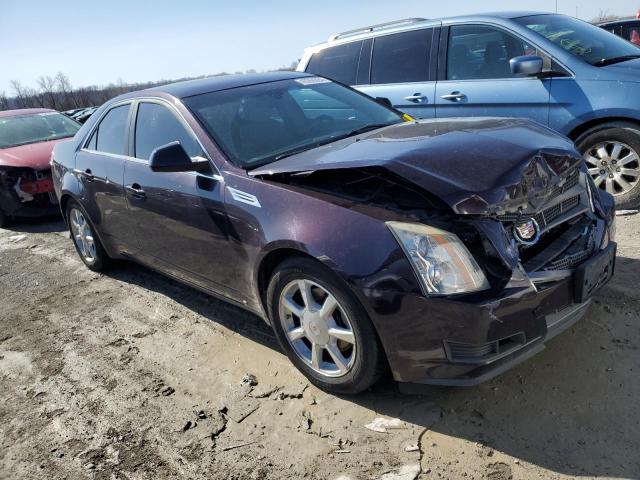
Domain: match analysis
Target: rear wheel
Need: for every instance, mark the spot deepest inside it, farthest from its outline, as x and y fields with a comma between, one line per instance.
x=84, y=238
x=323, y=328
x=612, y=155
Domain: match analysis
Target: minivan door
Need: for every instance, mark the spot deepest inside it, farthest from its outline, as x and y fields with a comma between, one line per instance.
x=178, y=218
x=475, y=78
x=403, y=70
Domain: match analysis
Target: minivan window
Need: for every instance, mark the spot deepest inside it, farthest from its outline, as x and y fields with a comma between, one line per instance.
x=479, y=52
x=401, y=57
x=258, y=124
x=157, y=126
x=111, y=134
x=339, y=63
x=583, y=40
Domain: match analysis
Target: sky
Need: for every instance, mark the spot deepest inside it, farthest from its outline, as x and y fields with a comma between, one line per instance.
x=100, y=42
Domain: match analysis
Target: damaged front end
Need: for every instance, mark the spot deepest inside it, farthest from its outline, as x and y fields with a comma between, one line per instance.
x=25, y=192
x=533, y=221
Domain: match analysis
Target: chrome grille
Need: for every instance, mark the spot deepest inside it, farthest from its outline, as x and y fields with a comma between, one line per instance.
x=546, y=216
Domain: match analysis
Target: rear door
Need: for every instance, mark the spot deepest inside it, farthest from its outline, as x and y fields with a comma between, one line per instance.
x=178, y=218
x=403, y=70
x=475, y=79
x=100, y=166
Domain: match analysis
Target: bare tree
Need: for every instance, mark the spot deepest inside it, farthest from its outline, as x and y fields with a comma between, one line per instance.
x=47, y=86
x=605, y=16
x=18, y=91
x=4, y=101
x=64, y=88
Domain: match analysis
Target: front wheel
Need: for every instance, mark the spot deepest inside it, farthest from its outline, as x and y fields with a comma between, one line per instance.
x=611, y=153
x=322, y=327
x=85, y=239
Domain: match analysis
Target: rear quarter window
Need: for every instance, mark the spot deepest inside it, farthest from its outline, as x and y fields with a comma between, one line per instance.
x=339, y=63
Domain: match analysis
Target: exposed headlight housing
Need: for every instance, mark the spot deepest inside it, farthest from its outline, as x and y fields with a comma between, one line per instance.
x=442, y=262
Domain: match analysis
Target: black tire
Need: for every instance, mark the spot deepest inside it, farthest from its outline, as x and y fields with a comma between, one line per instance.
x=369, y=363
x=620, y=132
x=100, y=260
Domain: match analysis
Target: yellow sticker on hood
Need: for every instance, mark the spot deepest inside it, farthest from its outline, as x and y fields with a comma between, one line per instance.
x=408, y=118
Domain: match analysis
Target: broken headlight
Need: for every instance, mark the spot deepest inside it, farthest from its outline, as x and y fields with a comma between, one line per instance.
x=442, y=262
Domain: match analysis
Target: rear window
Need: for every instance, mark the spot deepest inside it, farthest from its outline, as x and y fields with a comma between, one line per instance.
x=402, y=57
x=26, y=129
x=339, y=63
x=111, y=134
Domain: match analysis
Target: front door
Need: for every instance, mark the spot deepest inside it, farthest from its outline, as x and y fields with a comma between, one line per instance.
x=475, y=79
x=403, y=70
x=178, y=219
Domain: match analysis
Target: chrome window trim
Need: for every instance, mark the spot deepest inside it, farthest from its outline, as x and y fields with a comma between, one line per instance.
x=87, y=138
x=134, y=102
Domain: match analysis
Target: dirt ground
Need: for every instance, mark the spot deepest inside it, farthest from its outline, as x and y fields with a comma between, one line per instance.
x=129, y=375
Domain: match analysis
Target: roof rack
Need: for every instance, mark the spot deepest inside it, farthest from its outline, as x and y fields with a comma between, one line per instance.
x=372, y=28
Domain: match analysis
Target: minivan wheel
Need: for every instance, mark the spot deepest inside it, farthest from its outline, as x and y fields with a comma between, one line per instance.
x=611, y=153
x=322, y=327
x=84, y=238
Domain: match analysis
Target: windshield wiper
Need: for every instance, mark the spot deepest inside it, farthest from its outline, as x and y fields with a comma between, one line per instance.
x=610, y=61
x=365, y=129
x=352, y=133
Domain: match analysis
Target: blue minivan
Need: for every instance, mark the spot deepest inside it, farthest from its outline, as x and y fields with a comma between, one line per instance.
x=574, y=77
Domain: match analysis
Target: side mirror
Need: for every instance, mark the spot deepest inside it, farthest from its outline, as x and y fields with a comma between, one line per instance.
x=173, y=158
x=384, y=101
x=526, y=65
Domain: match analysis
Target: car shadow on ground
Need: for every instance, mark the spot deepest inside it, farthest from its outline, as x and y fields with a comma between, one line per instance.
x=571, y=409
x=49, y=224
x=226, y=314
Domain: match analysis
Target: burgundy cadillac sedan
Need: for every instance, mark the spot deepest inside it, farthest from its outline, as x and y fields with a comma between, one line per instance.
x=444, y=251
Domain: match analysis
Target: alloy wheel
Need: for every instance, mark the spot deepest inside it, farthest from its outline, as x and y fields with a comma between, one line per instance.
x=614, y=166
x=82, y=235
x=317, y=328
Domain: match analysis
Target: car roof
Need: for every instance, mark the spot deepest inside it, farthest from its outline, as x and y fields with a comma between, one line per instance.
x=25, y=111
x=618, y=22
x=417, y=23
x=223, y=82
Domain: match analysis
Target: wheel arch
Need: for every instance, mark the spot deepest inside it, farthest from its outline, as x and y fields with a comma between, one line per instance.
x=581, y=129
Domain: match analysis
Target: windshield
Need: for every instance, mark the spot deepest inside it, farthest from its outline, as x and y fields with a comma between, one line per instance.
x=258, y=124
x=41, y=127
x=585, y=41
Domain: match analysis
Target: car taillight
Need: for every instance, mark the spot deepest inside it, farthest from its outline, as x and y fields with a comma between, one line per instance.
x=36, y=186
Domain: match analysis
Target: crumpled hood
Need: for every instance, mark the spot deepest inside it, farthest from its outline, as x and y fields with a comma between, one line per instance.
x=33, y=155
x=477, y=166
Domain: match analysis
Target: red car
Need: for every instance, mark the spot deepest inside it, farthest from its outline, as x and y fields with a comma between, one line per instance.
x=27, y=138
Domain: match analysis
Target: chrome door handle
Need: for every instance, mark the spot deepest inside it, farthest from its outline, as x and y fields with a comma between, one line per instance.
x=135, y=190
x=454, y=97
x=416, y=97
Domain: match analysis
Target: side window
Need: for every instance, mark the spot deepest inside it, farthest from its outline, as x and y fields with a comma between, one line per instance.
x=156, y=125
x=478, y=52
x=632, y=33
x=402, y=57
x=111, y=134
x=339, y=63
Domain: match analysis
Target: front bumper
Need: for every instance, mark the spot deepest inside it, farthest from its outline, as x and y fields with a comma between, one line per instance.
x=464, y=343
x=34, y=198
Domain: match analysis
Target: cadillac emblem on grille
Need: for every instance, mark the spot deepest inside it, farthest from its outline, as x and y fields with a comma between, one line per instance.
x=526, y=232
